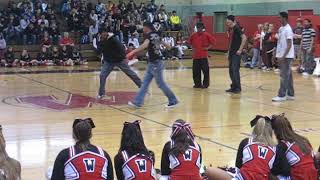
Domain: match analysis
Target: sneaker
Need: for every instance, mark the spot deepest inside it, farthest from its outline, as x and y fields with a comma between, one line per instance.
x=236, y=91
x=131, y=104
x=100, y=97
x=229, y=90
x=305, y=74
x=291, y=98
x=279, y=99
x=172, y=105
x=264, y=67
x=276, y=70
x=197, y=87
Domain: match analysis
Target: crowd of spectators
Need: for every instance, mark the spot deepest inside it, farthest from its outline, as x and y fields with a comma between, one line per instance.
x=38, y=22
x=261, y=48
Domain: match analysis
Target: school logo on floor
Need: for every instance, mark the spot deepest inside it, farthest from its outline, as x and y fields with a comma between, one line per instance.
x=73, y=101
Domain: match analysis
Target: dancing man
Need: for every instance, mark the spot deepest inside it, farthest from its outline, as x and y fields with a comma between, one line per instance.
x=113, y=55
x=155, y=67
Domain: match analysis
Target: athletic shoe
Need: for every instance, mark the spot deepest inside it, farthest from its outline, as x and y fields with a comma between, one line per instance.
x=236, y=91
x=131, y=104
x=305, y=74
x=279, y=99
x=172, y=105
x=264, y=67
x=197, y=87
x=100, y=97
x=276, y=70
x=229, y=90
x=291, y=98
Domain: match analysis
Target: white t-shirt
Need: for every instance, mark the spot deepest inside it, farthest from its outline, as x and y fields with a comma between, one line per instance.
x=285, y=33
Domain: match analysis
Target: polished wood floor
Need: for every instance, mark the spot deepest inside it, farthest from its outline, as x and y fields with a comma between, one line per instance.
x=37, y=111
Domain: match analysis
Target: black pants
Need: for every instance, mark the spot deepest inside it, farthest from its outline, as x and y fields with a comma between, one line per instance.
x=201, y=65
x=234, y=71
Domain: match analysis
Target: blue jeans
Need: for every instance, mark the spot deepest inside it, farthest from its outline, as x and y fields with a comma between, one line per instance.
x=255, y=58
x=154, y=70
x=108, y=67
x=286, y=80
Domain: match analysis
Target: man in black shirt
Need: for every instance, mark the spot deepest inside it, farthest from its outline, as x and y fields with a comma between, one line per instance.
x=237, y=42
x=113, y=53
x=155, y=66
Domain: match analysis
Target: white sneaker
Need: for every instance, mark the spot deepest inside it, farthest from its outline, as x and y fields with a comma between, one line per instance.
x=279, y=99
x=305, y=74
x=291, y=98
x=131, y=104
x=100, y=97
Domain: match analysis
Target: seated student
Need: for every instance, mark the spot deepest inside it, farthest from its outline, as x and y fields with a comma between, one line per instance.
x=131, y=60
x=247, y=54
x=66, y=56
x=10, y=168
x=168, y=53
x=180, y=45
x=9, y=60
x=43, y=57
x=296, y=148
x=25, y=59
x=134, y=41
x=56, y=56
x=77, y=57
x=133, y=161
x=83, y=160
x=181, y=156
x=255, y=155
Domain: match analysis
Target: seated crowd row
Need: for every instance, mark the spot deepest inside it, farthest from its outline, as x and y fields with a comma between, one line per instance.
x=65, y=56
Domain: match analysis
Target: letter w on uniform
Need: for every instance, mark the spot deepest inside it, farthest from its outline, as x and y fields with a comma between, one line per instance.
x=142, y=165
x=90, y=164
x=262, y=152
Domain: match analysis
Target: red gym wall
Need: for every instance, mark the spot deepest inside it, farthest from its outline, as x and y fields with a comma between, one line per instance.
x=250, y=24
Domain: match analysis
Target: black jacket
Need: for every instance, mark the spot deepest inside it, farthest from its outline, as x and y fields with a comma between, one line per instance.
x=112, y=49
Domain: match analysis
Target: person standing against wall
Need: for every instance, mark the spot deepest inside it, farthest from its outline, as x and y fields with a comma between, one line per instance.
x=297, y=41
x=201, y=42
x=307, y=47
x=285, y=56
x=256, y=47
x=237, y=42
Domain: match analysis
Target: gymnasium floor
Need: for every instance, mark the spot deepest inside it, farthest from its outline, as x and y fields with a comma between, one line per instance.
x=38, y=108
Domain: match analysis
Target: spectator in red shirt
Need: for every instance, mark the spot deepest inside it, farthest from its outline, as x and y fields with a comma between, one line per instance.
x=66, y=40
x=201, y=42
x=256, y=47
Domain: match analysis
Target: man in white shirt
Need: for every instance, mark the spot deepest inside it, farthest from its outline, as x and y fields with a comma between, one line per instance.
x=285, y=56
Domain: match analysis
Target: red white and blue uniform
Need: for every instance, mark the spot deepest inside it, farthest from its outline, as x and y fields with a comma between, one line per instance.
x=257, y=161
x=185, y=166
x=74, y=164
x=302, y=165
x=134, y=167
x=137, y=167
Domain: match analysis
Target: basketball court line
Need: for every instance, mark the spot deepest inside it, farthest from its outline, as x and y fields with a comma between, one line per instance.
x=127, y=112
x=250, y=99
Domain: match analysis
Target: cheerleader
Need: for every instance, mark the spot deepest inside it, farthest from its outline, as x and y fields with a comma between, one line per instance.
x=181, y=156
x=296, y=148
x=134, y=161
x=83, y=160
